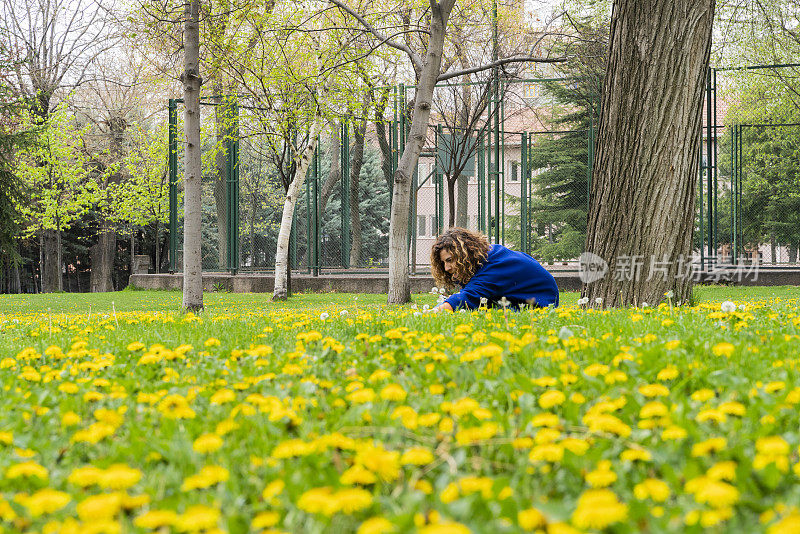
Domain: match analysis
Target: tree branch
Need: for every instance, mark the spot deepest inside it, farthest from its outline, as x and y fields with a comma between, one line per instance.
x=498, y=63
x=413, y=56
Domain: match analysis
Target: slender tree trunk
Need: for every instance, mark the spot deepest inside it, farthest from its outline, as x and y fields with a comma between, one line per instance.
x=399, y=283
x=462, y=202
x=451, y=202
x=773, y=247
x=192, y=199
x=133, y=249
x=17, y=281
x=646, y=166
x=383, y=143
x=335, y=172
x=280, y=291
x=793, y=252
x=78, y=275
x=355, y=214
x=158, y=247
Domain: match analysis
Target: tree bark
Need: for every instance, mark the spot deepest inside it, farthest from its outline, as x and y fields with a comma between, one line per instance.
x=101, y=255
x=335, y=172
x=646, y=166
x=773, y=245
x=462, y=201
x=192, y=199
x=51, y=261
x=355, y=172
x=451, y=202
x=399, y=282
x=280, y=291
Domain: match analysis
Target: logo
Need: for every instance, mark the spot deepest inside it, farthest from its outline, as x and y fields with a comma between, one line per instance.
x=591, y=267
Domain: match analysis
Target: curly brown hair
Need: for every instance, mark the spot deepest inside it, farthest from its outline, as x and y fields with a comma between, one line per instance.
x=469, y=250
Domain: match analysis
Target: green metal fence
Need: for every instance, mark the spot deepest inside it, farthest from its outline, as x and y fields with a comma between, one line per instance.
x=506, y=197
x=748, y=206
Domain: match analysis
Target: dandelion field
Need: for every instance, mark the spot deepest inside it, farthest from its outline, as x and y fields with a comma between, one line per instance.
x=335, y=413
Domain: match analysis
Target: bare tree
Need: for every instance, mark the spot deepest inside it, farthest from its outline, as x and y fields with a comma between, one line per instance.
x=54, y=43
x=427, y=64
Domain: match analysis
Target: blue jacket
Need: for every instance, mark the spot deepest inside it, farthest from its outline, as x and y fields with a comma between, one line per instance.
x=510, y=274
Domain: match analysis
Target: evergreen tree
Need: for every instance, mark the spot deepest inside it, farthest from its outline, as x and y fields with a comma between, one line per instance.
x=559, y=180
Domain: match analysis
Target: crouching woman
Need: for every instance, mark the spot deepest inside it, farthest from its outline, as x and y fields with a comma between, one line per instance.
x=491, y=272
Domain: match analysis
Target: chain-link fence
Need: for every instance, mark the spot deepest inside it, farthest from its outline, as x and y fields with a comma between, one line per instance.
x=512, y=161
x=749, y=188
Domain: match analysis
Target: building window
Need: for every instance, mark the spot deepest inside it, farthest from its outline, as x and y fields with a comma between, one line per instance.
x=530, y=90
x=514, y=171
x=434, y=225
x=421, y=225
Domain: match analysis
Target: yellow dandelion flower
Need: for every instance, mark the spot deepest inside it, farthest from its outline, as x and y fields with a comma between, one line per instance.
x=598, y=509
x=375, y=525
x=531, y=519
x=417, y=456
x=265, y=520
x=206, y=443
x=724, y=349
x=551, y=398
x=156, y=519
x=27, y=469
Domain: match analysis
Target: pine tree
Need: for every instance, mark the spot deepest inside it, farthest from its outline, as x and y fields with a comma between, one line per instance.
x=560, y=188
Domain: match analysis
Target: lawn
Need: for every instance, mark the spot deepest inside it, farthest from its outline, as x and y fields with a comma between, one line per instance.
x=336, y=413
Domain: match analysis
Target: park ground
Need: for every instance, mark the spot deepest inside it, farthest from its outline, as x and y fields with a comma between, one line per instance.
x=338, y=413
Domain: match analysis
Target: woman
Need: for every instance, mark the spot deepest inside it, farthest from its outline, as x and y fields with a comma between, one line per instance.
x=491, y=272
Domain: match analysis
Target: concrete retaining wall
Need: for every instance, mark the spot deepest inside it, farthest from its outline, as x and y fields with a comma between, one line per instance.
x=379, y=282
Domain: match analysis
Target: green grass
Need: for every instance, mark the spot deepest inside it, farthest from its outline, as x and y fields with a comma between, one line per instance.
x=304, y=391
x=170, y=301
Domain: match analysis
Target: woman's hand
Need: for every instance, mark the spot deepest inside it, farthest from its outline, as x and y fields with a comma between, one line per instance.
x=444, y=306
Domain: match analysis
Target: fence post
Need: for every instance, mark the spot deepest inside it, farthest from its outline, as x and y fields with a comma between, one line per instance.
x=232, y=182
x=345, y=194
x=172, y=163
x=523, y=194
x=315, y=212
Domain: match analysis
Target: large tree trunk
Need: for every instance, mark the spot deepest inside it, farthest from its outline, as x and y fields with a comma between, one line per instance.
x=335, y=172
x=355, y=215
x=280, y=292
x=101, y=255
x=399, y=283
x=192, y=190
x=646, y=166
x=51, y=261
